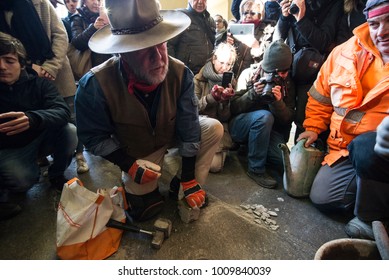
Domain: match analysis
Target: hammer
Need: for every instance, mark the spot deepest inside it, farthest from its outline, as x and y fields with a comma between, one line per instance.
x=163, y=228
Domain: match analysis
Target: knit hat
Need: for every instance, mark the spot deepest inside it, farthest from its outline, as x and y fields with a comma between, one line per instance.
x=277, y=56
x=371, y=4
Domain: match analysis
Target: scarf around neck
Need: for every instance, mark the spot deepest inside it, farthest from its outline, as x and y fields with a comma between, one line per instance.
x=210, y=74
x=134, y=83
x=27, y=27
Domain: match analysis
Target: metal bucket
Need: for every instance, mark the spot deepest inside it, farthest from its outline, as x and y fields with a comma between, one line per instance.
x=348, y=249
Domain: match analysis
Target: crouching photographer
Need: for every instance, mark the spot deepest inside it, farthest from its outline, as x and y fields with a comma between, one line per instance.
x=262, y=113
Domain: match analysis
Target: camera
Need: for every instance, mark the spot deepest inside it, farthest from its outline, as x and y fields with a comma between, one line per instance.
x=294, y=9
x=270, y=81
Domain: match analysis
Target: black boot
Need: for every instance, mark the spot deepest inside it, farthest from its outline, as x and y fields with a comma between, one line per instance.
x=144, y=207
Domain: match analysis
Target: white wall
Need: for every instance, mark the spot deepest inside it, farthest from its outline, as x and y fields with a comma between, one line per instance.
x=221, y=7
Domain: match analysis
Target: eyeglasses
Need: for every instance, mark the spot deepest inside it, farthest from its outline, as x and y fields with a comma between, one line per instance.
x=218, y=21
x=251, y=13
x=227, y=63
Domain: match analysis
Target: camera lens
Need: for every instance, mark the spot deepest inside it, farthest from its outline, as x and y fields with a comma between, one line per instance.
x=294, y=9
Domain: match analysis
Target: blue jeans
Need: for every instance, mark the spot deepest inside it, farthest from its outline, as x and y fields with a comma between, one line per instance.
x=70, y=101
x=254, y=129
x=18, y=167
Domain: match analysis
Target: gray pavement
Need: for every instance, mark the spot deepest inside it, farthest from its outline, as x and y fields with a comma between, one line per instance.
x=224, y=230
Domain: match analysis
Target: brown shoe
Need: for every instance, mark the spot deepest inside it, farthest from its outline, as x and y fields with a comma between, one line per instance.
x=263, y=179
x=81, y=163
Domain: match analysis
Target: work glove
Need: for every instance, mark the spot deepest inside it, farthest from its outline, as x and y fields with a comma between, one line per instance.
x=227, y=94
x=193, y=193
x=217, y=92
x=144, y=171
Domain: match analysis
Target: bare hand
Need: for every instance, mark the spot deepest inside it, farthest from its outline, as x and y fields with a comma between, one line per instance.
x=285, y=4
x=230, y=40
x=19, y=122
x=276, y=90
x=100, y=23
x=42, y=72
x=258, y=87
x=310, y=136
x=301, y=5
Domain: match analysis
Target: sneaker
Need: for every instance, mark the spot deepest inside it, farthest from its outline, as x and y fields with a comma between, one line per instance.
x=144, y=207
x=82, y=166
x=8, y=210
x=58, y=182
x=263, y=179
x=359, y=229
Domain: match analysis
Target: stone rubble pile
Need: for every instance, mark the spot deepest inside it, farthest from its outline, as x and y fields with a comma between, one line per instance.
x=262, y=215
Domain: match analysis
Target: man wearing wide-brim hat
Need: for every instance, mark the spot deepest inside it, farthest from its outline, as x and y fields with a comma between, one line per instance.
x=350, y=97
x=135, y=106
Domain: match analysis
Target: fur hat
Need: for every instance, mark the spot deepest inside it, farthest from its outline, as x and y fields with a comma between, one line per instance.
x=371, y=4
x=136, y=25
x=277, y=56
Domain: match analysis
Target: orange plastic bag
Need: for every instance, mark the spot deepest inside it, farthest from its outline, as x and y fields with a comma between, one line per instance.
x=81, y=222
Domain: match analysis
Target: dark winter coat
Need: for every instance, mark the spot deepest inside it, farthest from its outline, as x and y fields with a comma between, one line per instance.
x=195, y=45
x=82, y=25
x=39, y=99
x=317, y=28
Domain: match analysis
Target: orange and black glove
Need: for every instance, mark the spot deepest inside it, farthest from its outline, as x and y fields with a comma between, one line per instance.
x=144, y=171
x=193, y=193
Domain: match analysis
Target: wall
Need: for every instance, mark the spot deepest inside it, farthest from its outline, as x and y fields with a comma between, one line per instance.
x=221, y=7
x=214, y=7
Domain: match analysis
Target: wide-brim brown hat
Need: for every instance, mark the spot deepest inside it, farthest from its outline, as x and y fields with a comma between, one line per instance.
x=136, y=25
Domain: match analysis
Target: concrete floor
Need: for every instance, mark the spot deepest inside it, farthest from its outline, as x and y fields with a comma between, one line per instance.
x=224, y=230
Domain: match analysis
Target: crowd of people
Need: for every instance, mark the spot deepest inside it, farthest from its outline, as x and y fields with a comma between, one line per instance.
x=159, y=81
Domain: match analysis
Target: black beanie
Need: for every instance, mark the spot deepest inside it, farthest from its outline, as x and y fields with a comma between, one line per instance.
x=277, y=56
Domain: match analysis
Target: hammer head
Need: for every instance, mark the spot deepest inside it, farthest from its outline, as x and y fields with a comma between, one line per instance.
x=163, y=225
x=163, y=228
x=158, y=238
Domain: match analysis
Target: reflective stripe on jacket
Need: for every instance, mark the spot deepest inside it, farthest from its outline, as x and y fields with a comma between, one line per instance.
x=336, y=99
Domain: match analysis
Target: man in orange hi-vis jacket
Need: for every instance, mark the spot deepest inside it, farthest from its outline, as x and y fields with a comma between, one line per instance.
x=351, y=98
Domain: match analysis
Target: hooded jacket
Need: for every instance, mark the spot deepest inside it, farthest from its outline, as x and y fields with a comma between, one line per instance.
x=337, y=100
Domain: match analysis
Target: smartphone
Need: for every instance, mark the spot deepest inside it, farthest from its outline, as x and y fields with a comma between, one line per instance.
x=227, y=78
x=242, y=29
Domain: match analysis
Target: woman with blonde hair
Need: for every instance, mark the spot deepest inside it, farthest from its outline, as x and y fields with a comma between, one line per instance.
x=214, y=99
x=251, y=49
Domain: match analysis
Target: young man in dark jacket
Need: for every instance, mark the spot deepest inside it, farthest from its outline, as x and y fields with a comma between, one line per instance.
x=33, y=122
x=262, y=113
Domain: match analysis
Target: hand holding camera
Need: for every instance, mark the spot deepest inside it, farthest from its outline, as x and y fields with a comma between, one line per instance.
x=268, y=88
x=293, y=7
x=297, y=9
